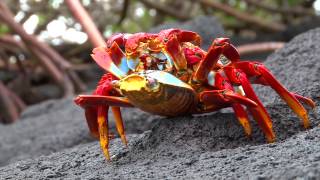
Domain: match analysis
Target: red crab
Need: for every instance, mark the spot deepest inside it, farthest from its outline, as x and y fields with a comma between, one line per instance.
x=169, y=74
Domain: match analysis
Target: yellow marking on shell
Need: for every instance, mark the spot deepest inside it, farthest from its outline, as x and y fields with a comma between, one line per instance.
x=132, y=83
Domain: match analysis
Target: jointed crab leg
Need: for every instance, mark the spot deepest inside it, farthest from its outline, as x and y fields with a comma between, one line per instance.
x=243, y=118
x=220, y=46
x=174, y=50
x=227, y=98
x=220, y=82
x=305, y=100
x=96, y=108
x=119, y=123
x=254, y=69
x=259, y=113
x=103, y=129
x=206, y=65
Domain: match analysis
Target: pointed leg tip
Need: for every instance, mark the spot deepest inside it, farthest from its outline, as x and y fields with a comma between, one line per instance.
x=106, y=154
x=248, y=132
x=305, y=121
x=124, y=140
x=271, y=139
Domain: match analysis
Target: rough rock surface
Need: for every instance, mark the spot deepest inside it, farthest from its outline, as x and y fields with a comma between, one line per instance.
x=55, y=125
x=297, y=65
x=207, y=146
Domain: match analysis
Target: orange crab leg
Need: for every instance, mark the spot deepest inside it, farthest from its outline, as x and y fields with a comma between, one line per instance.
x=220, y=82
x=189, y=36
x=182, y=35
x=243, y=118
x=305, y=100
x=227, y=98
x=119, y=123
x=229, y=51
x=259, y=113
x=96, y=107
x=257, y=69
x=95, y=100
x=103, y=129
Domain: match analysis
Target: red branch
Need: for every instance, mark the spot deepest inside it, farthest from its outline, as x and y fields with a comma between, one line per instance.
x=10, y=110
x=56, y=65
x=86, y=22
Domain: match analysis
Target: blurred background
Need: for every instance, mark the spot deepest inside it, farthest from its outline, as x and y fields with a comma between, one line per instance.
x=45, y=49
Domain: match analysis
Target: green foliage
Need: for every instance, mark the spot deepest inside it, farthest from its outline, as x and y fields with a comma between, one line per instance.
x=3, y=29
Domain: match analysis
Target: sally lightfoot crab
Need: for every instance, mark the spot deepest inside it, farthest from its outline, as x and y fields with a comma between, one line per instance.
x=169, y=74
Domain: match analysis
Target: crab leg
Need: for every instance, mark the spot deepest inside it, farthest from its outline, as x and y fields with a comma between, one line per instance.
x=96, y=111
x=174, y=50
x=305, y=100
x=242, y=117
x=259, y=113
x=206, y=65
x=103, y=129
x=119, y=123
x=220, y=82
x=220, y=46
x=226, y=97
x=253, y=69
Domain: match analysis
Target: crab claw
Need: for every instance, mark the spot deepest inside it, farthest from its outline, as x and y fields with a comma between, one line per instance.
x=182, y=36
x=176, y=53
x=229, y=51
x=102, y=57
x=118, y=38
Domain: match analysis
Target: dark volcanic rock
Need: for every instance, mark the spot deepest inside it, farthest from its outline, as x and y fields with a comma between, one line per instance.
x=55, y=125
x=207, y=146
x=195, y=147
x=296, y=66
